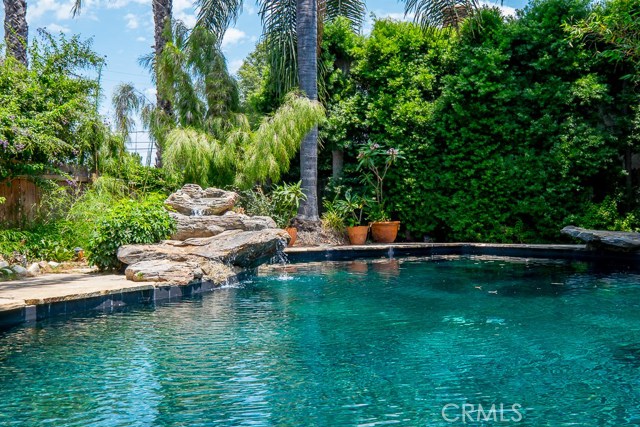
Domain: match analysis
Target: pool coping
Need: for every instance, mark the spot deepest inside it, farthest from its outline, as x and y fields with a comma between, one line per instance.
x=52, y=295
x=554, y=251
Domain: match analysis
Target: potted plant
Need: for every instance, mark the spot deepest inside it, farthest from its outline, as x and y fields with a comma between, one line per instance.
x=375, y=162
x=353, y=206
x=286, y=200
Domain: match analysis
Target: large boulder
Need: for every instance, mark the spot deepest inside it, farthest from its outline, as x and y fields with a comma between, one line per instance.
x=619, y=241
x=164, y=270
x=192, y=200
x=234, y=247
x=180, y=273
x=206, y=226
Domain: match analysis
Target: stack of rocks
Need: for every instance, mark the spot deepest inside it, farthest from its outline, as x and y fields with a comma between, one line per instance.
x=212, y=242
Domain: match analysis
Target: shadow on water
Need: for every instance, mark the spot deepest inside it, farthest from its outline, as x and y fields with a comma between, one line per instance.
x=628, y=354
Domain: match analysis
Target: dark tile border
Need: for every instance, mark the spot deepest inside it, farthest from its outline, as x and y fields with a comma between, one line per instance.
x=565, y=252
x=110, y=302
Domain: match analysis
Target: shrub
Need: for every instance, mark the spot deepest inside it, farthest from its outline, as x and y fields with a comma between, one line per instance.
x=42, y=242
x=127, y=222
x=281, y=204
x=607, y=215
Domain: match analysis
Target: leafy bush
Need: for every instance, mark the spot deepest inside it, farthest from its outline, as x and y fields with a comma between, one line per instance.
x=281, y=203
x=43, y=242
x=607, y=215
x=286, y=200
x=255, y=202
x=127, y=222
x=47, y=112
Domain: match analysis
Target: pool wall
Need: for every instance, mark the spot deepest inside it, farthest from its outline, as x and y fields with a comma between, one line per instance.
x=30, y=310
x=16, y=311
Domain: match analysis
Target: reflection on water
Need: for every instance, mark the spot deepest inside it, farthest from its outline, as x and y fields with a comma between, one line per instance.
x=343, y=344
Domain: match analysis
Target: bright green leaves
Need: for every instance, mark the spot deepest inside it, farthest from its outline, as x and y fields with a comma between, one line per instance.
x=128, y=222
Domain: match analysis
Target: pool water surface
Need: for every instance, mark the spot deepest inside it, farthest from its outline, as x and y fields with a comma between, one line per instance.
x=429, y=342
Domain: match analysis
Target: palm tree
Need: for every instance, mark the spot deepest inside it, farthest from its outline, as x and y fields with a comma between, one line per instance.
x=16, y=30
x=291, y=32
x=161, y=19
x=307, y=48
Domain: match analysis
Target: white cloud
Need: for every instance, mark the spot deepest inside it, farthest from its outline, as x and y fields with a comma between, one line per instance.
x=56, y=28
x=506, y=10
x=184, y=11
x=235, y=65
x=119, y=4
x=141, y=39
x=132, y=21
x=150, y=93
x=234, y=37
x=189, y=19
x=61, y=9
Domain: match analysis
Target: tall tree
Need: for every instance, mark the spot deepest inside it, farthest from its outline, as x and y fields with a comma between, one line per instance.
x=161, y=19
x=291, y=32
x=307, y=32
x=16, y=30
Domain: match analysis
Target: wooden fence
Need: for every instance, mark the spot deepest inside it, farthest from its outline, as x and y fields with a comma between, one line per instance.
x=23, y=196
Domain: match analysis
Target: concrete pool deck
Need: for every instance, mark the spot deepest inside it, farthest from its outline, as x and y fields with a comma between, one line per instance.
x=49, y=295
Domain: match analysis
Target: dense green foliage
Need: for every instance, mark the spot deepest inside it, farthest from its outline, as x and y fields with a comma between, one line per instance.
x=510, y=130
x=42, y=242
x=208, y=140
x=128, y=221
x=54, y=120
x=68, y=217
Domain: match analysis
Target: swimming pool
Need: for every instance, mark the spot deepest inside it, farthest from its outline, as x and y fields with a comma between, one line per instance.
x=432, y=342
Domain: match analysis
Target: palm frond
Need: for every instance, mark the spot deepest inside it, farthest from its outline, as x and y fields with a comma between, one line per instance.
x=432, y=14
x=353, y=10
x=77, y=6
x=217, y=15
x=279, y=22
x=127, y=101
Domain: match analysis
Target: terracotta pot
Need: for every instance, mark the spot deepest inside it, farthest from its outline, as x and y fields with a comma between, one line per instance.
x=385, y=232
x=358, y=234
x=293, y=232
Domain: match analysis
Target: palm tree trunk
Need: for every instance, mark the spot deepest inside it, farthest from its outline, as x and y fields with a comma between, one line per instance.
x=16, y=30
x=307, y=32
x=161, y=18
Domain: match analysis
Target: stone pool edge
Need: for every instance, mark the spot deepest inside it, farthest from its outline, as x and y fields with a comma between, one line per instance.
x=22, y=307
x=30, y=300
x=553, y=251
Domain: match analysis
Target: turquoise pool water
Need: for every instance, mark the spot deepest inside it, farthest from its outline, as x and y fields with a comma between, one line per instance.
x=355, y=344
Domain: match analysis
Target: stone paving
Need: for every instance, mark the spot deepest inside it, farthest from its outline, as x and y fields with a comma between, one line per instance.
x=52, y=288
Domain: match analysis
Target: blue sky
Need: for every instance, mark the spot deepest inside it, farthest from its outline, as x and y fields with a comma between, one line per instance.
x=122, y=30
